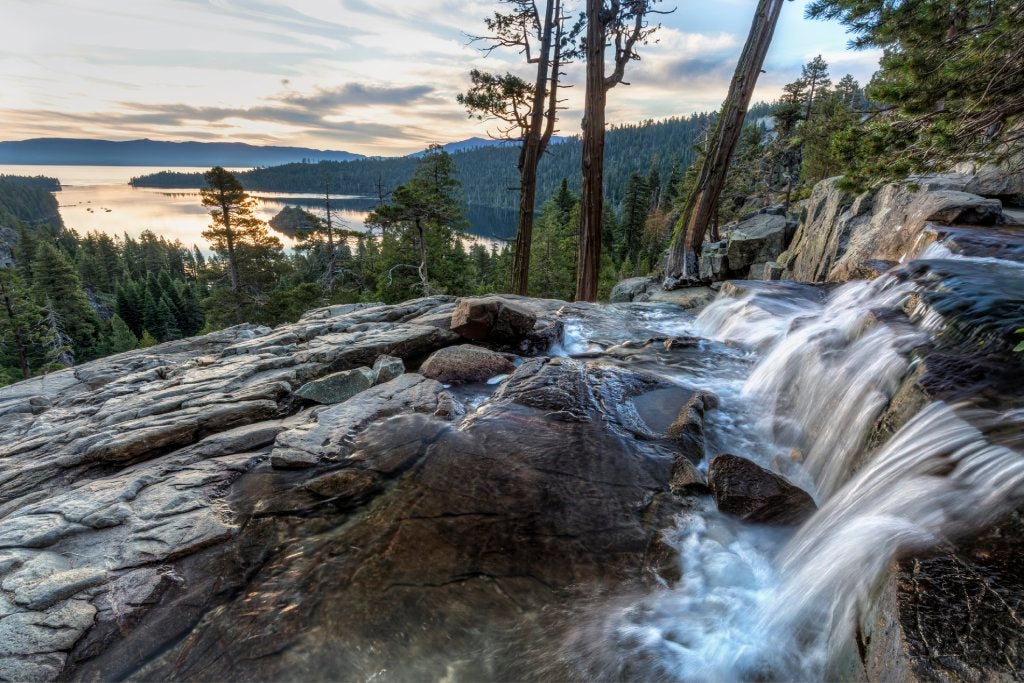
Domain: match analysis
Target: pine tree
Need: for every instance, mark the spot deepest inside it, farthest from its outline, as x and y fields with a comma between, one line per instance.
x=22, y=325
x=553, y=262
x=166, y=322
x=815, y=75
x=129, y=305
x=675, y=178
x=147, y=340
x=54, y=280
x=422, y=219
x=121, y=337
x=236, y=235
x=59, y=345
x=635, y=207
x=950, y=85
x=150, y=313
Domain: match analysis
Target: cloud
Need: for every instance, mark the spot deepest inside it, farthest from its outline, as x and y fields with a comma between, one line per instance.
x=371, y=76
x=355, y=94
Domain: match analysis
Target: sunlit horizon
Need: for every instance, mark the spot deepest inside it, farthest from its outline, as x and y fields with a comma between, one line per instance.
x=365, y=76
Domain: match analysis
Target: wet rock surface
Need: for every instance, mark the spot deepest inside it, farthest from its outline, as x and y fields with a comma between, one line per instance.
x=492, y=317
x=746, y=490
x=979, y=580
x=179, y=513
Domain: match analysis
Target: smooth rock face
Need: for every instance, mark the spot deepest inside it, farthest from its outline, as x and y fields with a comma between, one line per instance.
x=748, y=491
x=756, y=240
x=339, y=386
x=115, y=475
x=632, y=289
x=494, y=318
x=840, y=233
x=416, y=546
x=465, y=363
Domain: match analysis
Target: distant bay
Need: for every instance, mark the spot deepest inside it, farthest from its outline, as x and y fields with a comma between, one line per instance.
x=99, y=198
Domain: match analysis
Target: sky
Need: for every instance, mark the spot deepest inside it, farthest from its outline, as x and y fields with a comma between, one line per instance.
x=376, y=77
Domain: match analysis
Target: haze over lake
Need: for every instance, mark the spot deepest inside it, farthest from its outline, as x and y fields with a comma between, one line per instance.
x=99, y=198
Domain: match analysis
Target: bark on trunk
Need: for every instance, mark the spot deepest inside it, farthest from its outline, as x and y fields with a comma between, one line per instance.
x=682, y=265
x=588, y=261
x=331, y=252
x=229, y=239
x=424, y=277
x=534, y=144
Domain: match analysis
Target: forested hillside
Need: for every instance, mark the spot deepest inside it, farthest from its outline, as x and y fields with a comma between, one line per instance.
x=28, y=200
x=488, y=175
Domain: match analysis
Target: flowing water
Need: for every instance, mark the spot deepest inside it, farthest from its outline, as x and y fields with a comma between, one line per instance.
x=802, y=375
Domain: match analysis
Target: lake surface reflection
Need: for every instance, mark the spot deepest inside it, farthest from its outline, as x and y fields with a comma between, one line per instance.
x=99, y=198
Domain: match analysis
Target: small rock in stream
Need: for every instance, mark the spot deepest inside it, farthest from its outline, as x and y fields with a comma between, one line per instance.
x=746, y=490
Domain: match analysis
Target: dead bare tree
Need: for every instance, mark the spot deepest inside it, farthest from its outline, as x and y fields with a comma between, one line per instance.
x=699, y=210
x=527, y=112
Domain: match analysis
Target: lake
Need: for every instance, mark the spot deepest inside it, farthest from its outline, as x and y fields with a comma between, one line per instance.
x=99, y=198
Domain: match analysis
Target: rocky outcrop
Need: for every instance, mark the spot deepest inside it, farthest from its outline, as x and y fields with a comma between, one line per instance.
x=492, y=318
x=179, y=512
x=911, y=635
x=746, y=490
x=839, y=233
x=341, y=386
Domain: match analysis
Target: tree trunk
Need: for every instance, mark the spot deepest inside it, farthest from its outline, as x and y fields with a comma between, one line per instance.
x=331, y=253
x=229, y=239
x=588, y=261
x=424, y=279
x=682, y=266
x=529, y=157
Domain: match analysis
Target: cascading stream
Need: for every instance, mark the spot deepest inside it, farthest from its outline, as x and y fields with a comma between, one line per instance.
x=938, y=478
x=751, y=605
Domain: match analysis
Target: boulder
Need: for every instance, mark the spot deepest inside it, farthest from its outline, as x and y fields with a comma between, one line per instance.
x=686, y=478
x=491, y=318
x=386, y=368
x=687, y=430
x=757, y=240
x=339, y=386
x=746, y=490
x=714, y=264
x=465, y=363
x=631, y=289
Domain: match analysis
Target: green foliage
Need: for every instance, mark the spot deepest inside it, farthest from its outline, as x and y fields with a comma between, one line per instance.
x=950, y=86
x=23, y=332
x=420, y=249
x=489, y=175
x=553, y=251
x=55, y=281
x=121, y=337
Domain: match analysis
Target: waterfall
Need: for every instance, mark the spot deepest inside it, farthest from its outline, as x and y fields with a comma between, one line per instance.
x=939, y=477
x=754, y=605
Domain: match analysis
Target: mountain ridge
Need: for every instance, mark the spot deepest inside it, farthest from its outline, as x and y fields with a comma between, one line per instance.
x=146, y=152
